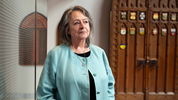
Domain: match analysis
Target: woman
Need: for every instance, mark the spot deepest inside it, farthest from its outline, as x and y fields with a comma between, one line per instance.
x=76, y=70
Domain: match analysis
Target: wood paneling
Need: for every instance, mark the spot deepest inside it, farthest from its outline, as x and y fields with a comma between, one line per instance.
x=158, y=81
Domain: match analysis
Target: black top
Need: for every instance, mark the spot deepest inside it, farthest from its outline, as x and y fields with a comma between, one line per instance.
x=92, y=85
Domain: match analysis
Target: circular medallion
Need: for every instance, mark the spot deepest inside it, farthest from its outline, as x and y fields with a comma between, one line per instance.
x=122, y=46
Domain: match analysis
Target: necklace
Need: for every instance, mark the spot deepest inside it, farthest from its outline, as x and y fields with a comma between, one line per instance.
x=83, y=62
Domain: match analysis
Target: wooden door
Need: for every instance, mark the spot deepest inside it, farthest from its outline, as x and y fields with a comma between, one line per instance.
x=163, y=80
x=147, y=68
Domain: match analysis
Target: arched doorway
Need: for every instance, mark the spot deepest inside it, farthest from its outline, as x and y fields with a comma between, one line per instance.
x=27, y=40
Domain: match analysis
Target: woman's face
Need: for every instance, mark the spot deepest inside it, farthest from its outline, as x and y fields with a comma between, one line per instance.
x=79, y=28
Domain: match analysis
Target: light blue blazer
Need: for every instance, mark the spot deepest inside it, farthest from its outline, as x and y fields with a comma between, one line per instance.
x=65, y=78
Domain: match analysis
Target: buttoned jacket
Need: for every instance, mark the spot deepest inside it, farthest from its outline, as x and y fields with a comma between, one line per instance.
x=64, y=77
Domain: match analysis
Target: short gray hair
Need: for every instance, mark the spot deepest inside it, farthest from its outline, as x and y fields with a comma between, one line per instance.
x=64, y=25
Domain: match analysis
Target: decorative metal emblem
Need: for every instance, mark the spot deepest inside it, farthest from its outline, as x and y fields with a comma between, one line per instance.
x=142, y=15
x=173, y=31
x=164, y=31
x=142, y=31
x=173, y=17
x=122, y=46
x=123, y=31
x=155, y=31
x=164, y=16
x=132, y=31
x=155, y=16
x=123, y=15
x=132, y=15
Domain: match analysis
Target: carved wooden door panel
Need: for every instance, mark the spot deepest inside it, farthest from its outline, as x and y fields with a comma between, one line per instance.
x=162, y=55
x=144, y=49
x=129, y=22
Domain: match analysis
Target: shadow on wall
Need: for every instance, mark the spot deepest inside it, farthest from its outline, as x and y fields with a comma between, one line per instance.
x=2, y=84
x=105, y=25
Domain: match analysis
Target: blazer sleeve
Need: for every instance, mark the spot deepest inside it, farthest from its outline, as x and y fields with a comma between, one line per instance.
x=47, y=84
x=111, y=80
